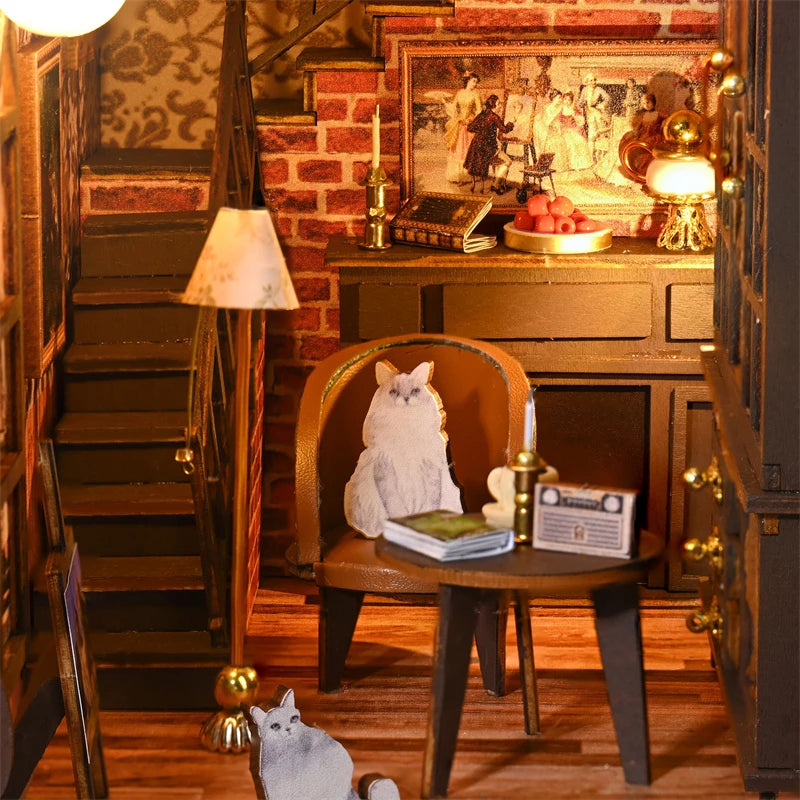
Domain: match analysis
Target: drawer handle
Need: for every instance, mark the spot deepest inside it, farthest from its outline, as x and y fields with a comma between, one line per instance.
x=712, y=477
x=711, y=549
x=702, y=620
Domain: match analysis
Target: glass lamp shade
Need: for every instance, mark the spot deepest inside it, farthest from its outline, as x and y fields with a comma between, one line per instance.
x=241, y=265
x=681, y=175
x=60, y=17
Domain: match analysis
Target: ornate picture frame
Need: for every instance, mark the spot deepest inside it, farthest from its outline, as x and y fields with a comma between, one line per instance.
x=572, y=99
x=43, y=267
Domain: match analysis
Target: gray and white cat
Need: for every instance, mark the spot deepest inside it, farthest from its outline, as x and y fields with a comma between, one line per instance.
x=298, y=762
x=403, y=468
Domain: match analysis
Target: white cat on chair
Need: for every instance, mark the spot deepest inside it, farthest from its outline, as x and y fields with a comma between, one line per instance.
x=404, y=467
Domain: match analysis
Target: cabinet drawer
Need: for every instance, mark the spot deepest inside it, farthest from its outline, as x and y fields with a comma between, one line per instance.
x=388, y=310
x=548, y=311
x=690, y=314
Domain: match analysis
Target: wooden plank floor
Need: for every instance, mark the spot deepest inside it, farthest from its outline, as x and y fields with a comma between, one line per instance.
x=380, y=716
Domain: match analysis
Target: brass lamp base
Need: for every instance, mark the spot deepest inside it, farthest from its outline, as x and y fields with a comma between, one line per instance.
x=227, y=730
x=686, y=228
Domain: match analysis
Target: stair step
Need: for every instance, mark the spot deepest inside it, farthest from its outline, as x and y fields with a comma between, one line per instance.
x=283, y=112
x=410, y=8
x=320, y=59
x=146, y=244
x=169, y=688
x=155, y=649
x=155, y=162
x=126, y=500
x=138, y=536
x=128, y=291
x=147, y=610
x=103, y=391
x=141, y=573
x=128, y=356
x=120, y=463
x=119, y=447
x=120, y=427
x=112, y=324
x=146, y=223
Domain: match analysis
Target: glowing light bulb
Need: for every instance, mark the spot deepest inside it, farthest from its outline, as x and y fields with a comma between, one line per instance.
x=60, y=18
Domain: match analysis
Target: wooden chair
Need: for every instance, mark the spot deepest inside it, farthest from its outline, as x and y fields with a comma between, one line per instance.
x=536, y=172
x=483, y=391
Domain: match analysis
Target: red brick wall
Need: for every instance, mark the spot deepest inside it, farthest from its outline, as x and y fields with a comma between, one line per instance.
x=311, y=176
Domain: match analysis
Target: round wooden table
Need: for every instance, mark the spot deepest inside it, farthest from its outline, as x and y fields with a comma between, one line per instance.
x=610, y=583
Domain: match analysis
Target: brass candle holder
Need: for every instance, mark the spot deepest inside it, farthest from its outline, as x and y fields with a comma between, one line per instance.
x=527, y=467
x=376, y=232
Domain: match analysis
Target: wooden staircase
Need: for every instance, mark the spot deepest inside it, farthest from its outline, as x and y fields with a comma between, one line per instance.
x=155, y=630
x=313, y=60
x=125, y=378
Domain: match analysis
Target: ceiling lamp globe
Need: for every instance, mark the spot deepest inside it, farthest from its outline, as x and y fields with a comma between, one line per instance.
x=60, y=18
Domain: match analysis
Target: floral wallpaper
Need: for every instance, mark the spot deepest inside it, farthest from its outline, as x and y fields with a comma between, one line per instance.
x=160, y=60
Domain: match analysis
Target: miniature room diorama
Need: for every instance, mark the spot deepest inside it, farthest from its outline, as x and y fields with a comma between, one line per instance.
x=400, y=398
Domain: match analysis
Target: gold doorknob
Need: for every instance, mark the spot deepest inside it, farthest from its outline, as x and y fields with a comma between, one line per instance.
x=711, y=549
x=709, y=620
x=732, y=85
x=732, y=186
x=712, y=477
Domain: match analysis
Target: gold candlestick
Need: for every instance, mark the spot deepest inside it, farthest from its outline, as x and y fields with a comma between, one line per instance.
x=527, y=467
x=376, y=232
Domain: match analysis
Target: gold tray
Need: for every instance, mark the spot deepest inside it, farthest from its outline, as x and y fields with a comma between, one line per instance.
x=559, y=243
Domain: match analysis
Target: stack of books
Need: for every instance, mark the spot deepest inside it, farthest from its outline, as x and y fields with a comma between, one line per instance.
x=448, y=535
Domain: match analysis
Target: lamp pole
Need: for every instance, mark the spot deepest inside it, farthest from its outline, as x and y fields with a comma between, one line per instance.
x=237, y=684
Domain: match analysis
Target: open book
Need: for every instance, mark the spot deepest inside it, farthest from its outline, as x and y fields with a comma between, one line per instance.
x=448, y=535
x=447, y=221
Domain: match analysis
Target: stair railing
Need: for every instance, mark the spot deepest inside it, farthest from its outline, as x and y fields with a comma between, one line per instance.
x=308, y=23
x=232, y=184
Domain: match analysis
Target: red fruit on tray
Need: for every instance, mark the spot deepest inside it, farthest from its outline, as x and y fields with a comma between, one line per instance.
x=561, y=206
x=544, y=223
x=587, y=225
x=578, y=215
x=537, y=205
x=564, y=225
x=523, y=221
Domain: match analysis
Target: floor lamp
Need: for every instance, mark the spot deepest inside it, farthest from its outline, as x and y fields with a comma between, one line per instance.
x=241, y=266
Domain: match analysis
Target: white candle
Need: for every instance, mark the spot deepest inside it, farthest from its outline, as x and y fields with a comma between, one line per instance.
x=529, y=439
x=376, y=137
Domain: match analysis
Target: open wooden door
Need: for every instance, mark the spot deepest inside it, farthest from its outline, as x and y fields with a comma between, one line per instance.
x=750, y=603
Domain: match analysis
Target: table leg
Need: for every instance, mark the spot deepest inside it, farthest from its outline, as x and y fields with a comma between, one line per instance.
x=458, y=609
x=527, y=665
x=490, y=641
x=620, y=639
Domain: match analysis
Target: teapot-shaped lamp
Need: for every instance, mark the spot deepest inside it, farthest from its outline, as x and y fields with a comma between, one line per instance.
x=680, y=174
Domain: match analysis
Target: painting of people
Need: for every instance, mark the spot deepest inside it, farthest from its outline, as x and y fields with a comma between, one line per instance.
x=574, y=100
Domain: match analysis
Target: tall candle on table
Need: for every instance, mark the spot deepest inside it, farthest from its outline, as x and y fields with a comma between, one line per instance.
x=376, y=137
x=529, y=434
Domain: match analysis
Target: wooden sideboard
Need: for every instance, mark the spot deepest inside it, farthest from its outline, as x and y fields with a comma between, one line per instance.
x=611, y=339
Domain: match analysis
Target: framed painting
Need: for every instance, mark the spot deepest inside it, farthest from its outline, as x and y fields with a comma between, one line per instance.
x=473, y=114
x=77, y=672
x=43, y=270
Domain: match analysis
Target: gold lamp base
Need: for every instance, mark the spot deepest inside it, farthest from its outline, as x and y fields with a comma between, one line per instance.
x=227, y=730
x=686, y=228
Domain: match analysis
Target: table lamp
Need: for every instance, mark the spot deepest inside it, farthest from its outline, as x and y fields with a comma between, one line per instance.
x=241, y=266
x=680, y=174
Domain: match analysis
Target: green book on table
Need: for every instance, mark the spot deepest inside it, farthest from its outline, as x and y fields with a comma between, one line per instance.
x=448, y=535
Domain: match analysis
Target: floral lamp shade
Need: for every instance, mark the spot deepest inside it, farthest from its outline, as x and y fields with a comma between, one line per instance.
x=241, y=265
